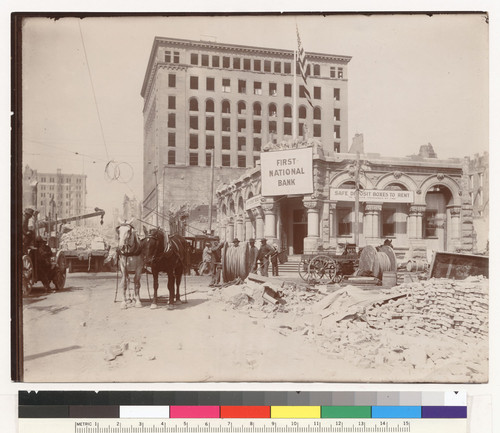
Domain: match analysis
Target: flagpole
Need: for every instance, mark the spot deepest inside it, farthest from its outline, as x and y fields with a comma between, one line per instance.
x=294, y=97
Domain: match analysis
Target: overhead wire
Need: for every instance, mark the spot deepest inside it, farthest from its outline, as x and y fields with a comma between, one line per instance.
x=93, y=91
x=172, y=219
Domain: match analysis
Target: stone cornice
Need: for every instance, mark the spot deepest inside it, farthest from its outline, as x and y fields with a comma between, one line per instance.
x=235, y=48
x=232, y=48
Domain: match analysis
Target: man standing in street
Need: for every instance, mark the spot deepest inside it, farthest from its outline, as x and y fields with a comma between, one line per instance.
x=206, y=260
x=216, y=252
x=252, y=255
x=263, y=256
x=274, y=260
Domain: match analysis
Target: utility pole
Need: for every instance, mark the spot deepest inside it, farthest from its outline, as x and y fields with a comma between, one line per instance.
x=212, y=164
x=356, y=201
x=157, y=198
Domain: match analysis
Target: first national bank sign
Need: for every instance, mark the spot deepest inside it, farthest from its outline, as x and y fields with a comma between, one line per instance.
x=287, y=172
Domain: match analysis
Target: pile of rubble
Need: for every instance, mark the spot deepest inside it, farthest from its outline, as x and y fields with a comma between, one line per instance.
x=80, y=238
x=456, y=308
x=438, y=327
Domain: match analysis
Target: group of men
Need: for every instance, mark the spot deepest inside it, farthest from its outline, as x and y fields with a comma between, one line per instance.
x=259, y=258
x=263, y=255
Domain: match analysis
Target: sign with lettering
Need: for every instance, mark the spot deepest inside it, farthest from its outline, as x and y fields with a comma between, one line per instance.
x=372, y=195
x=253, y=202
x=287, y=172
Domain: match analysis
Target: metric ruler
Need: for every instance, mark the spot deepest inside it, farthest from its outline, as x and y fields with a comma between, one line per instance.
x=247, y=412
x=32, y=425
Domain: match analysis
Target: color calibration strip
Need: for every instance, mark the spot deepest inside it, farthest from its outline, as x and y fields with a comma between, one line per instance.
x=273, y=405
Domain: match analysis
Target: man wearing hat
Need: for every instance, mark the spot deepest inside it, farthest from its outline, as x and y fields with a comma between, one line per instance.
x=252, y=255
x=236, y=242
x=265, y=252
x=28, y=235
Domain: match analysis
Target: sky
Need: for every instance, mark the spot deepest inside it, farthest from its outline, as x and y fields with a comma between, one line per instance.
x=413, y=79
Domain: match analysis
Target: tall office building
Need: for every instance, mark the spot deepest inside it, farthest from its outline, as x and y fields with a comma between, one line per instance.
x=54, y=194
x=203, y=98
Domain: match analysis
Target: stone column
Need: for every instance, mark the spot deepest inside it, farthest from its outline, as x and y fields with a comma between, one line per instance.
x=230, y=229
x=259, y=223
x=415, y=221
x=269, y=209
x=223, y=228
x=312, y=241
x=455, y=229
x=333, y=224
x=372, y=220
x=240, y=228
x=248, y=226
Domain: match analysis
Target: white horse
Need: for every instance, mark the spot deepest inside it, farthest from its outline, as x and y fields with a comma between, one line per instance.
x=130, y=259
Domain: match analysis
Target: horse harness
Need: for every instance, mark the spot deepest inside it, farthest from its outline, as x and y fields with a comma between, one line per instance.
x=137, y=248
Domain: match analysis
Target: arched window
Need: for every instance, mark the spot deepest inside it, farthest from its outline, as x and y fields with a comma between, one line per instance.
x=242, y=107
x=257, y=109
x=317, y=113
x=287, y=111
x=193, y=104
x=226, y=107
x=209, y=106
x=302, y=112
x=273, y=112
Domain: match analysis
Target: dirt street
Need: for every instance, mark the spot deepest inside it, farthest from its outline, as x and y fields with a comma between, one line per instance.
x=69, y=335
x=81, y=335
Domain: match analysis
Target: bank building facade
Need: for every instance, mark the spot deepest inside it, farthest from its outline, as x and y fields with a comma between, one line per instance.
x=303, y=198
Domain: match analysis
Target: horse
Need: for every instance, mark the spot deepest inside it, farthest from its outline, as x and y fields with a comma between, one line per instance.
x=130, y=259
x=166, y=254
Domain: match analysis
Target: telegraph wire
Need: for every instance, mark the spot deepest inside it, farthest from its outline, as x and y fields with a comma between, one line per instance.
x=93, y=91
x=170, y=219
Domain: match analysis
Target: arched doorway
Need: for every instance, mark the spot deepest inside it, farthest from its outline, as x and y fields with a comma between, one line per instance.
x=394, y=218
x=436, y=218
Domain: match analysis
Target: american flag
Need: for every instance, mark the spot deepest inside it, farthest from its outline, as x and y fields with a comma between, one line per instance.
x=303, y=67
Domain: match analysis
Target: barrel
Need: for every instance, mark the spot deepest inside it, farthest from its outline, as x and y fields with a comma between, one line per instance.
x=389, y=279
x=416, y=265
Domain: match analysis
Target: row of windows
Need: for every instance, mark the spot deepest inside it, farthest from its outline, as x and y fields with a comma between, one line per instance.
x=210, y=142
x=225, y=162
x=61, y=180
x=251, y=64
x=388, y=223
x=241, y=141
x=59, y=203
x=257, y=126
x=257, y=109
x=52, y=187
x=257, y=88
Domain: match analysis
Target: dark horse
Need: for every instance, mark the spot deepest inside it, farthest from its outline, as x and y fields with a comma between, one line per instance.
x=166, y=254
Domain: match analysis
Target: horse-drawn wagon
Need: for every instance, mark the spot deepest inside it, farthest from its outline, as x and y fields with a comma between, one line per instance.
x=40, y=265
x=328, y=266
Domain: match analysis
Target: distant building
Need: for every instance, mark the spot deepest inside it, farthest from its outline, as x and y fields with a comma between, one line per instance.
x=54, y=194
x=427, y=151
x=204, y=98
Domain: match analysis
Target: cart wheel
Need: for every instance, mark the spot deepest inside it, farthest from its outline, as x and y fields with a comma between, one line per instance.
x=28, y=275
x=323, y=269
x=338, y=278
x=59, y=279
x=304, y=270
